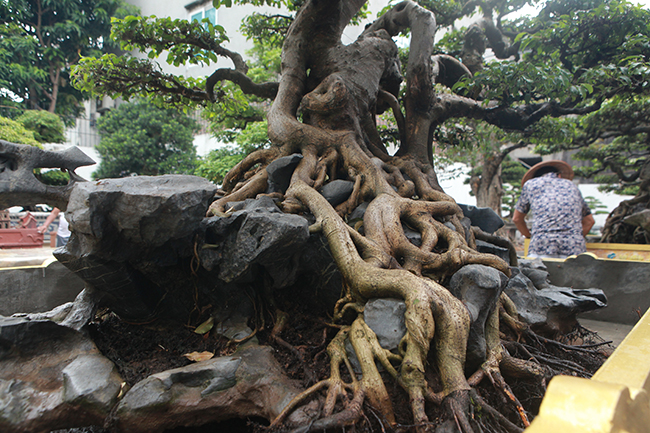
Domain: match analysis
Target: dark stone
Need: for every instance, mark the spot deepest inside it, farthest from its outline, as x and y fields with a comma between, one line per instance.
x=247, y=384
x=549, y=310
x=386, y=318
x=337, y=191
x=52, y=377
x=479, y=288
x=624, y=282
x=482, y=217
x=414, y=237
x=258, y=235
x=280, y=172
x=133, y=240
x=486, y=247
x=20, y=187
x=358, y=213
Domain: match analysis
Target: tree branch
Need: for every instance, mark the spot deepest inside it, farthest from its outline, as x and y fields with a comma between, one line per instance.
x=265, y=90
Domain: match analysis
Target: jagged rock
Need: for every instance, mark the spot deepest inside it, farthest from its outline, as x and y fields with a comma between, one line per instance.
x=74, y=315
x=385, y=317
x=337, y=191
x=479, y=288
x=547, y=308
x=257, y=235
x=482, y=217
x=248, y=384
x=486, y=247
x=280, y=171
x=625, y=282
x=83, y=309
x=142, y=212
x=52, y=377
x=133, y=239
x=91, y=381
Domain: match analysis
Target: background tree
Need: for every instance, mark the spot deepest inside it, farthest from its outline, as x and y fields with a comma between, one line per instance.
x=587, y=51
x=40, y=40
x=140, y=138
x=15, y=132
x=325, y=106
x=47, y=127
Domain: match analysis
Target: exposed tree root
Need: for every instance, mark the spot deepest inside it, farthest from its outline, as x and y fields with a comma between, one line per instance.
x=337, y=139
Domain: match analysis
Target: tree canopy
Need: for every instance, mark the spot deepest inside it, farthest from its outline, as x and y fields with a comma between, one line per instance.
x=140, y=138
x=40, y=40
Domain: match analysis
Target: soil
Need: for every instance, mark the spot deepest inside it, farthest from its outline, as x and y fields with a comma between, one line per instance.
x=141, y=350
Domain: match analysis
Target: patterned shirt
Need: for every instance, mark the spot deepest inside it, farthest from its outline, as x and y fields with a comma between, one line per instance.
x=558, y=209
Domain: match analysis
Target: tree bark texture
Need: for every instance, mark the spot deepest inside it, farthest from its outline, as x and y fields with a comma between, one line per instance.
x=325, y=108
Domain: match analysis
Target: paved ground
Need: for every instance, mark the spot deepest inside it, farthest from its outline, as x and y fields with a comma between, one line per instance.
x=614, y=332
x=16, y=257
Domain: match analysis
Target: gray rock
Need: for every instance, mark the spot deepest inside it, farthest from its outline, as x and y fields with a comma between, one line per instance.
x=486, y=247
x=280, y=172
x=414, y=237
x=257, y=235
x=337, y=191
x=142, y=211
x=83, y=309
x=74, y=315
x=550, y=310
x=625, y=282
x=91, y=381
x=52, y=377
x=386, y=318
x=132, y=239
x=358, y=213
x=482, y=217
x=248, y=384
x=479, y=287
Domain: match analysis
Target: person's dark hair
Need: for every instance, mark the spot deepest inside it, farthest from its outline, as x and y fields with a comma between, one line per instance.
x=545, y=170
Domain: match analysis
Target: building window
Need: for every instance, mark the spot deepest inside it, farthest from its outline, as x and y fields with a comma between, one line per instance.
x=204, y=12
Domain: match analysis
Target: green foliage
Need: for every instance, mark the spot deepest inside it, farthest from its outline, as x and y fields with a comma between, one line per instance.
x=597, y=207
x=216, y=164
x=139, y=138
x=184, y=41
x=12, y=131
x=509, y=199
x=52, y=177
x=47, y=127
x=128, y=77
x=39, y=41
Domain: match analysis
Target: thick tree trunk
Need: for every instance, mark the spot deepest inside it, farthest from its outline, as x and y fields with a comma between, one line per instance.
x=488, y=187
x=337, y=89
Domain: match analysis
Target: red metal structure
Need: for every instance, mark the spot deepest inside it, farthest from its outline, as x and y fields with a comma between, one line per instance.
x=24, y=236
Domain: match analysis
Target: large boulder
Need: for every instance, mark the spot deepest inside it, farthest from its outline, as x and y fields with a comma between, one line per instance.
x=52, y=377
x=549, y=309
x=479, y=288
x=249, y=383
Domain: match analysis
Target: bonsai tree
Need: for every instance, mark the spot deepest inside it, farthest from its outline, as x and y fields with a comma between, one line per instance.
x=325, y=106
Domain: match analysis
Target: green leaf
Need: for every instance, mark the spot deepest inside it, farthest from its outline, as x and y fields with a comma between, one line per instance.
x=205, y=327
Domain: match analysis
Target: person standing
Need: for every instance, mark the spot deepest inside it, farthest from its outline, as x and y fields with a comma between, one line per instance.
x=63, y=232
x=561, y=217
